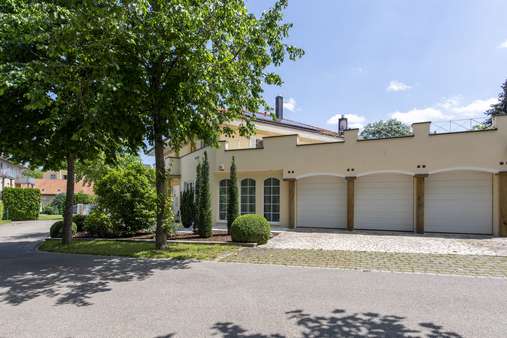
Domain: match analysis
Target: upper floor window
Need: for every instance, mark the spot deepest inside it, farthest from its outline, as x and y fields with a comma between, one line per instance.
x=53, y=176
x=223, y=202
x=272, y=199
x=247, y=196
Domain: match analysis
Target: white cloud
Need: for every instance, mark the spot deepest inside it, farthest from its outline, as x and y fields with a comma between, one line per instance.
x=355, y=121
x=397, y=86
x=448, y=109
x=290, y=104
x=503, y=44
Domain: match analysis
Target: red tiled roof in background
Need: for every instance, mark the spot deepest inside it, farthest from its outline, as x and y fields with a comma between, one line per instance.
x=55, y=187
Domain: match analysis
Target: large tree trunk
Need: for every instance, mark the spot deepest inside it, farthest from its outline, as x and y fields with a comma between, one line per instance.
x=69, y=201
x=161, y=183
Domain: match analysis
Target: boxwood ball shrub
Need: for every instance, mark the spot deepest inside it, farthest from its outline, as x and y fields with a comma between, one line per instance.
x=56, y=229
x=250, y=229
x=21, y=203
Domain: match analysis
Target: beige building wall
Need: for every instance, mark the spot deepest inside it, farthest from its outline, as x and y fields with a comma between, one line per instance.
x=420, y=153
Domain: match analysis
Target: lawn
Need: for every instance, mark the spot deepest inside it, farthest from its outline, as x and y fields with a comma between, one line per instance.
x=4, y=221
x=44, y=217
x=178, y=251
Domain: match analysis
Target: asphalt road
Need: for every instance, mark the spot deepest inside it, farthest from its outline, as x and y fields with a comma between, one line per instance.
x=53, y=295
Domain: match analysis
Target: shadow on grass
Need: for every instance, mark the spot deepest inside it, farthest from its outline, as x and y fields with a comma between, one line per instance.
x=341, y=324
x=69, y=279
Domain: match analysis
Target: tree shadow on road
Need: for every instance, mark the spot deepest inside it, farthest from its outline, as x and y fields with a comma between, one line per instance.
x=71, y=279
x=341, y=324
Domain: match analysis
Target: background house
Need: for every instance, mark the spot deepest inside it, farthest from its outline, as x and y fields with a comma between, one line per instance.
x=50, y=187
x=11, y=175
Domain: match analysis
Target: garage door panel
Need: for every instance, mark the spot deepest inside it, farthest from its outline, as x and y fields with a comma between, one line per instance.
x=459, y=202
x=384, y=202
x=321, y=202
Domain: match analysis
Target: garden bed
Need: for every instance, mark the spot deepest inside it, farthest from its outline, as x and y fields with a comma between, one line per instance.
x=219, y=236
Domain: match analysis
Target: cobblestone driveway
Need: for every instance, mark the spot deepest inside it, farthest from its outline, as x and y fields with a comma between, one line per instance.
x=466, y=265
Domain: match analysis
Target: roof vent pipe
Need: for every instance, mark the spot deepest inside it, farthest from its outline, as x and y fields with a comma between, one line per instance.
x=279, y=107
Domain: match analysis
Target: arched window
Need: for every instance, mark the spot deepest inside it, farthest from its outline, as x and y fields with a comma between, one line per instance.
x=272, y=199
x=223, y=199
x=247, y=196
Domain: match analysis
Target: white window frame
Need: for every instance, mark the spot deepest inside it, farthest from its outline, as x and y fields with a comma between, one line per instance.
x=220, y=202
x=248, y=205
x=268, y=184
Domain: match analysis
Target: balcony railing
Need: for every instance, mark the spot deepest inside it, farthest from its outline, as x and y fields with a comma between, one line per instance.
x=456, y=126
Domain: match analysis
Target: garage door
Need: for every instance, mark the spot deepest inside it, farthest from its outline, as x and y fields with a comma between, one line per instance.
x=384, y=202
x=321, y=202
x=459, y=202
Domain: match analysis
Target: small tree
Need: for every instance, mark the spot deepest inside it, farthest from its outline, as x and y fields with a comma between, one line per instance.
x=187, y=208
x=385, y=129
x=205, y=225
x=232, y=197
x=499, y=108
x=197, y=197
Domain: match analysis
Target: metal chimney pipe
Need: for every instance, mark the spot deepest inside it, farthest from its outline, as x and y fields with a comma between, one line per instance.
x=279, y=107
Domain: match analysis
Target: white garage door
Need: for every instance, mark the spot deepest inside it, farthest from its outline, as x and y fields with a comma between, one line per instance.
x=384, y=202
x=321, y=202
x=459, y=202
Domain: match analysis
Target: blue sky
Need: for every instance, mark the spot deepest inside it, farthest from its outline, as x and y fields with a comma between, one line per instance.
x=376, y=59
x=414, y=60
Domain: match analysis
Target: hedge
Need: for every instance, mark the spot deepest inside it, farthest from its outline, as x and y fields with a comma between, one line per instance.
x=21, y=203
x=1, y=210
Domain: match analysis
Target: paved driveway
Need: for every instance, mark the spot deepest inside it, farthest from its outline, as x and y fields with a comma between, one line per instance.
x=382, y=241
x=53, y=295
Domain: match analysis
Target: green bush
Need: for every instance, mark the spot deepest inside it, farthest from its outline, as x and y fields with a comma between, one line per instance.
x=250, y=229
x=80, y=221
x=82, y=198
x=49, y=210
x=1, y=210
x=187, y=208
x=205, y=225
x=21, y=203
x=99, y=224
x=56, y=229
x=59, y=203
x=128, y=195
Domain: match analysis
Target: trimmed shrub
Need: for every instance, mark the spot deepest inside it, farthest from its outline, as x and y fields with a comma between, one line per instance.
x=56, y=230
x=82, y=198
x=80, y=221
x=99, y=224
x=232, y=197
x=187, y=208
x=205, y=226
x=21, y=203
x=250, y=229
x=1, y=210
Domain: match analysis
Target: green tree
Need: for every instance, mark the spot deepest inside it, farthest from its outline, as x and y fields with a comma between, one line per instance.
x=499, y=108
x=385, y=129
x=232, y=197
x=56, y=95
x=188, y=67
x=205, y=225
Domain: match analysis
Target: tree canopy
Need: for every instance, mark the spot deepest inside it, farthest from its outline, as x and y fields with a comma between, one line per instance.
x=55, y=90
x=385, y=129
x=499, y=108
x=188, y=67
